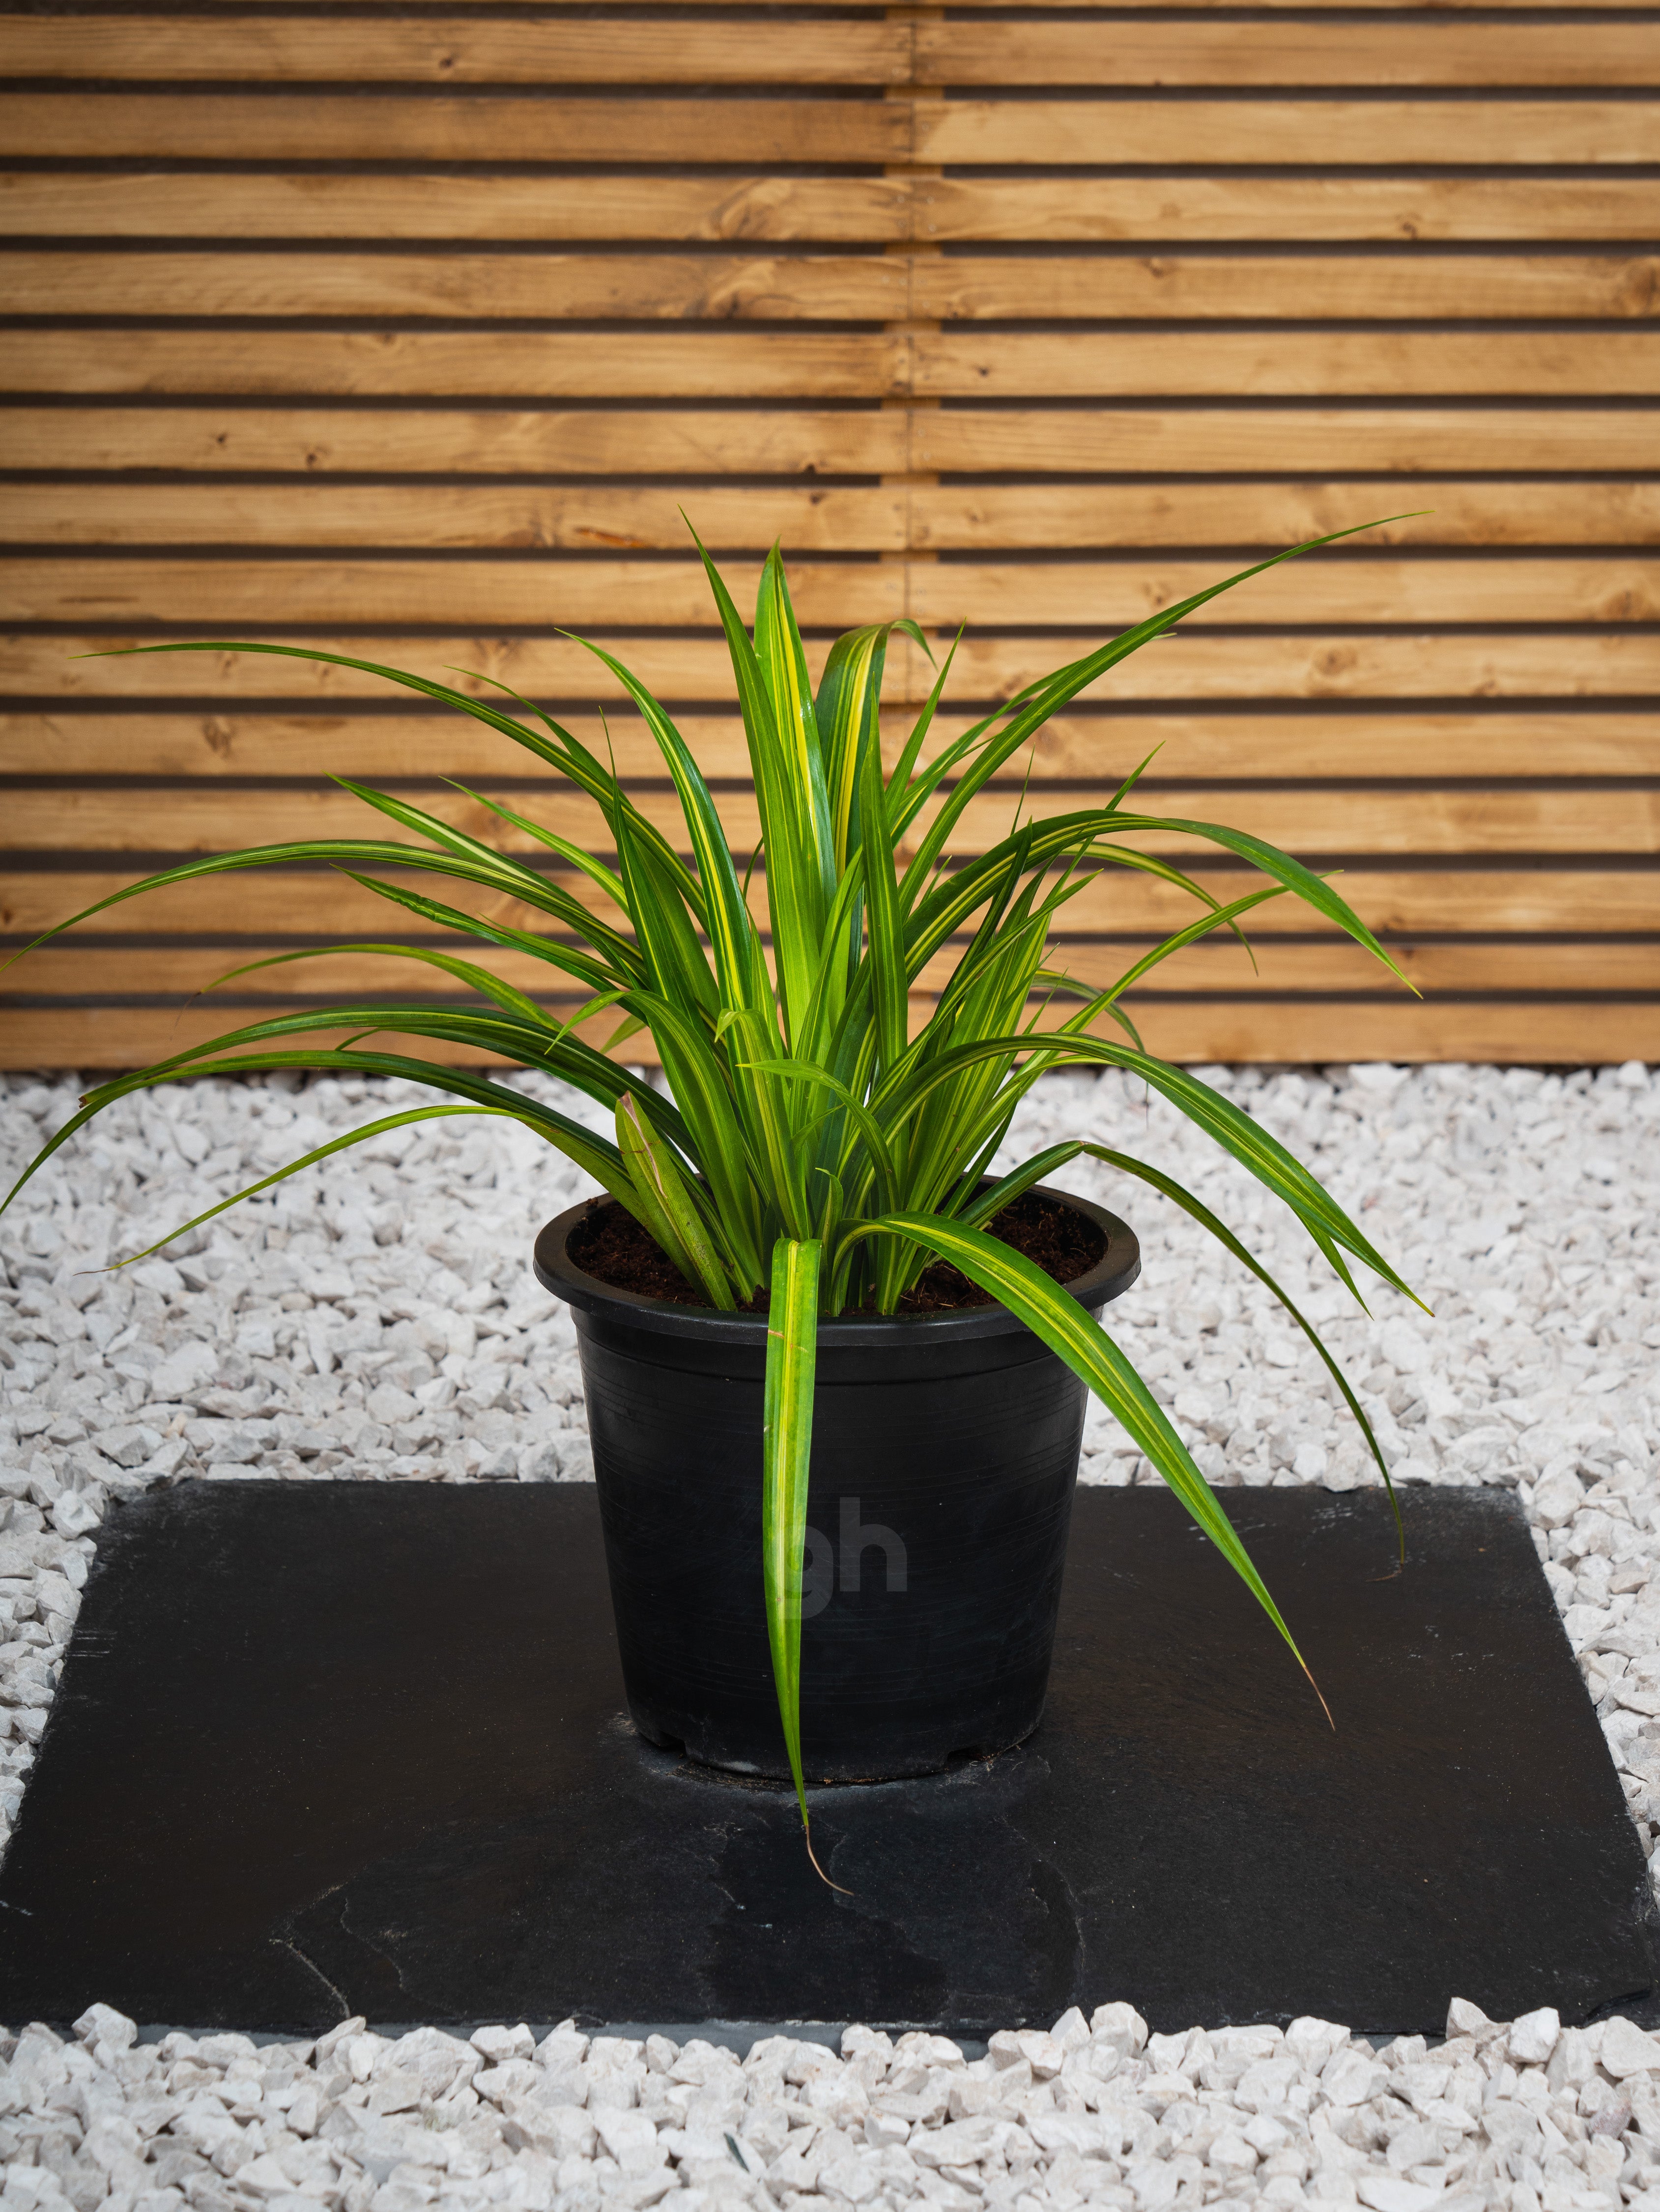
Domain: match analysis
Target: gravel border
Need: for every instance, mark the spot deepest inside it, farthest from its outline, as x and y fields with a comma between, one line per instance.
x=379, y=1317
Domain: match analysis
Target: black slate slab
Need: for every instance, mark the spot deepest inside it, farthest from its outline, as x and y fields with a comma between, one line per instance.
x=339, y=1748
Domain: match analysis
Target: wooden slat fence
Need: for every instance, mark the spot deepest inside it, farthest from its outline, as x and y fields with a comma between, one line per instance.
x=408, y=333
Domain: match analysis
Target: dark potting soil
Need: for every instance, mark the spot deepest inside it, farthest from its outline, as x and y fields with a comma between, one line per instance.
x=610, y=1244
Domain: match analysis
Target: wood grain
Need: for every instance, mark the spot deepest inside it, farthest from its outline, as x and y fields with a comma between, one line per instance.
x=391, y=126
x=1077, y=440
x=1078, y=748
x=1106, y=596
x=441, y=51
x=1357, y=665
x=410, y=285
x=549, y=207
x=1315, y=364
x=1366, y=819
x=320, y=49
x=1551, y=1033
x=1336, y=966
x=1199, y=440
x=1250, y=54
x=1300, y=286
x=813, y=368
x=1339, y=587
x=433, y=519
x=673, y=364
x=478, y=287
x=571, y=442
x=887, y=520
x=1310, y=131
x=1131, y=208
x=1402, y=902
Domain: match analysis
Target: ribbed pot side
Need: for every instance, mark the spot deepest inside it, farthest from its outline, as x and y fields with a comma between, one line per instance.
x=945, y=1450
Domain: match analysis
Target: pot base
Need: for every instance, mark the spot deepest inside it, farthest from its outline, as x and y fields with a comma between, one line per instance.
x=917, y=1763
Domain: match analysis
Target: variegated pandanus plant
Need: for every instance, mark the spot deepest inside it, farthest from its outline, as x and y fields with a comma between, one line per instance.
x=810, y=1146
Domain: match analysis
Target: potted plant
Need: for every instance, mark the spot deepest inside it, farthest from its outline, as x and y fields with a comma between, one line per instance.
x=807, y=1297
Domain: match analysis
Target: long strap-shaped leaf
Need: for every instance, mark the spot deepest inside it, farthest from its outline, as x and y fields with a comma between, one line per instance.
x=309, y=1160
x=792, y=1338
x=666, y=1205
x=1065, y=684
x=1250, y=1143
x=1053, y=1314
x=1045, y=1163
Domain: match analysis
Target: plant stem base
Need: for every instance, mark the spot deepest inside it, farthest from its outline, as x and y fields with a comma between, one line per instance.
x=332, y=1747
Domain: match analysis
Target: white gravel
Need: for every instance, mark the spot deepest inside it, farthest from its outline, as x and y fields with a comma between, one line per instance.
x=379, y=1318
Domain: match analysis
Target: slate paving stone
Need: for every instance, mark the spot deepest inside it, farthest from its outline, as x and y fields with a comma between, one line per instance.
x=338, y=1748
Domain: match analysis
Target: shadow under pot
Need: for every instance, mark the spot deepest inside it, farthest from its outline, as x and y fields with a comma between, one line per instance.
x=945, y=1452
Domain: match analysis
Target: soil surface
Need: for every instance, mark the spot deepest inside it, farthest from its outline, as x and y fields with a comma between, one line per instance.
x=610, y=1244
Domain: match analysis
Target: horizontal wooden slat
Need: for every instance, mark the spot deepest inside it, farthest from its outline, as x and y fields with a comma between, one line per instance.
x=1342, y=588
x=1076, y=439
x=1064, y=517
x=206, y=818
x=1075, y=747
x=122, y=1037
x=1606, y=901
x=609, y=442
x=1211, y=966
x=433, y=50
x=1195, y=440
x=590, y=593
x=1360, y=665
x=546, y=208
x=475, y=51
x=393, y=127
x=1295, y=132
x=1250, y=54
x=1075, y=211
x=478, y=287
x=1307, y=364
x=1356, y=665
x=889, y=519
x=706, y=364
x=835, y=287
x=813, y=368
x=1573, y=1032
x=428, y=518
x=1306, y=288
x=1345, y=589
x=1131, y=208
x=1336, y=966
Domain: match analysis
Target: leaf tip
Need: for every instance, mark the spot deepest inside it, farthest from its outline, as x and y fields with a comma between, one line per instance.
x=807, y=1838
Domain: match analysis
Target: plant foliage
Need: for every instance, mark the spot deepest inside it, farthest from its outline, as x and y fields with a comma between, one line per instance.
x=808, y=1140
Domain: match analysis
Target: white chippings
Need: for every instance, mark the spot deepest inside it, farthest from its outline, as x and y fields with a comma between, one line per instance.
x=378, y=1319
x=1135, y=2122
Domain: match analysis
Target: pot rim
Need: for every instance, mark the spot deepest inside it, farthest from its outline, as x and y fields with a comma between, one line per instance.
x=1112, y=1274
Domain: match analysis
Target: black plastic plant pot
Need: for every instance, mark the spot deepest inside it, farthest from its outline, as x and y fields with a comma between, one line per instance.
x=945, y=1451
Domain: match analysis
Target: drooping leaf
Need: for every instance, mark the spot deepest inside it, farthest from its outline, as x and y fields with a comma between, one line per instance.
x=787, y=1447
x=1051, y=1313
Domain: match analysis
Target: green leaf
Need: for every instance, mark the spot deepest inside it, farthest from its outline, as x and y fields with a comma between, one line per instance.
x=1054, y=1315
x=792, y=1329
x=1042, y=700
x=322, y=1153
x=665, y=1205
x=1198, y=1211
x=784, y=670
